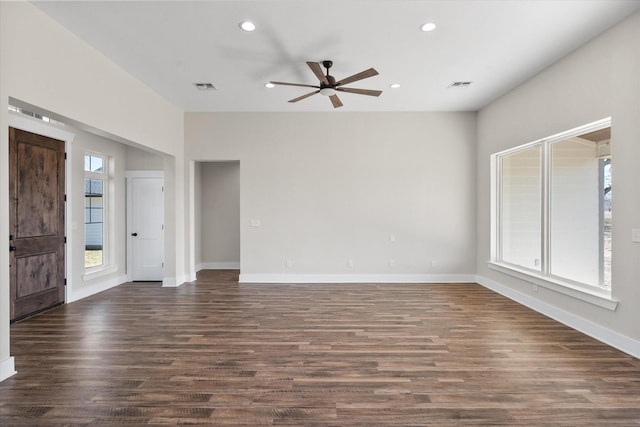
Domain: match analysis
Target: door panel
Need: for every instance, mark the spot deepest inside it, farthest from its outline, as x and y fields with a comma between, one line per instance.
x=37, y=207
x=147, y=228
x=36, y=273
x=36, y=221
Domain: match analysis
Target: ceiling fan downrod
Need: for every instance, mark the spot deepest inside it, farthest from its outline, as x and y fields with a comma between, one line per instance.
x=328, y=89
x=327, y=64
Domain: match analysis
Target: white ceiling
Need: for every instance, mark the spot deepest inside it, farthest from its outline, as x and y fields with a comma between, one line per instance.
x=494, y=44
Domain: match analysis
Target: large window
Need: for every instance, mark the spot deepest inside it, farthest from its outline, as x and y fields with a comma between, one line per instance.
x=95, y=185
x=552, y=208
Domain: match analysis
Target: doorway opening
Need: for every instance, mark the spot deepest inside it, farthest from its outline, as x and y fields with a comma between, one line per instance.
x=217, y=215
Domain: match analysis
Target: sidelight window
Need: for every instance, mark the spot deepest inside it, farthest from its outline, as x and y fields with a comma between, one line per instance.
x=95, y=186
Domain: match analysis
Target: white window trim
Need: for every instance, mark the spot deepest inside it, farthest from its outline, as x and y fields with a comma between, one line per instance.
x=98, y=271
x=595, y=296
x=592, y=294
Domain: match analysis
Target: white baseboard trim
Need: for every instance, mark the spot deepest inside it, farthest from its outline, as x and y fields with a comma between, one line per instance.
x=192, y=277
x=87, y=291
x=174, y=282
x=169, y=282
x=357, y=278
x=218, y=266
x=7, y=368
x=605, y=335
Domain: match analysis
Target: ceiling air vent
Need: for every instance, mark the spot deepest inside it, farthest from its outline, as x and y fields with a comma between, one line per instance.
x=460, y=84
x=204, y=86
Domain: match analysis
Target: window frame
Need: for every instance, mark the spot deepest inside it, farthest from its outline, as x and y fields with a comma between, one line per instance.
x=597, y=295
x=103, y=176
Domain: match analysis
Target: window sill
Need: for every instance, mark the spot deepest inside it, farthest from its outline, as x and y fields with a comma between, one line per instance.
x=601, y=298
x=94, y=273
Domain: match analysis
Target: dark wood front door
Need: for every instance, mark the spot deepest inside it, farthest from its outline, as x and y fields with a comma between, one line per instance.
x=36, y=221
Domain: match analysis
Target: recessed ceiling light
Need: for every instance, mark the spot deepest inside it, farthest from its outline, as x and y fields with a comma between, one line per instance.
x=429, y=26
x=269, y=85
x=394, y=85
x=247, y=26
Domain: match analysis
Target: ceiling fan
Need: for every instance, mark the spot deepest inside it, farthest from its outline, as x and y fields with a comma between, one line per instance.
x=329, y=86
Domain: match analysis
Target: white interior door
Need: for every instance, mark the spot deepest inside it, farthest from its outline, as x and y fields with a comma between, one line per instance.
x=146, y=227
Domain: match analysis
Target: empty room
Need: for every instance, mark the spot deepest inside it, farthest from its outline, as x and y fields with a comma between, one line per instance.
x=348, y=213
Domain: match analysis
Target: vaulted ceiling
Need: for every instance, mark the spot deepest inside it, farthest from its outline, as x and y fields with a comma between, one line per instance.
x=494, y=45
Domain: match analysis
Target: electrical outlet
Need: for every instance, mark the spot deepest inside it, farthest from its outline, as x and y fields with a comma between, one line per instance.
x=255, y=223
x=392, y=263
x=434, y=263
x=535, y=288
x=350, y=263
x=289, y=263
x=635, y=235
x=392, y=238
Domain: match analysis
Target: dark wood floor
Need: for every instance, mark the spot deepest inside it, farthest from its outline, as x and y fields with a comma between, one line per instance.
x=217, y=353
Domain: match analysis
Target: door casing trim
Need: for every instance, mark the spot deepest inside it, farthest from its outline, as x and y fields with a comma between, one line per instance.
x=32, y=125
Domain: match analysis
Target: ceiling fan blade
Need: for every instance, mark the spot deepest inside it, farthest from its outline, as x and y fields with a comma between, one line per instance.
x=304, y=96
x=360, y=91
x=335, y=101
x=361, y=75
x=294, y=84
x=317, y=70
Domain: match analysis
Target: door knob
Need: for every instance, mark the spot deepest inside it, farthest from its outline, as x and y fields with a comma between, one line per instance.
x=12, y=248
x=134, y=234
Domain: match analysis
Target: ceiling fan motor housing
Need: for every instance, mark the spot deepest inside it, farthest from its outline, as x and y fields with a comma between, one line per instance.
x=332, y=82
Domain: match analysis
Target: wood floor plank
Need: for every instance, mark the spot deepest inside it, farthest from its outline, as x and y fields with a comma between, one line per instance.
x=216, y=352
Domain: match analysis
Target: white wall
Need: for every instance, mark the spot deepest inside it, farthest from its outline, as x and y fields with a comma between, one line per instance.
x=45, y=65
x=80, y=285
x=600, y=79
x=220, y=214
x=143, y=160
x=329, y=188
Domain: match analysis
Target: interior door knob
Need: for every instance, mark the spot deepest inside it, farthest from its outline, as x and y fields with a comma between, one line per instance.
x=134, y=234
